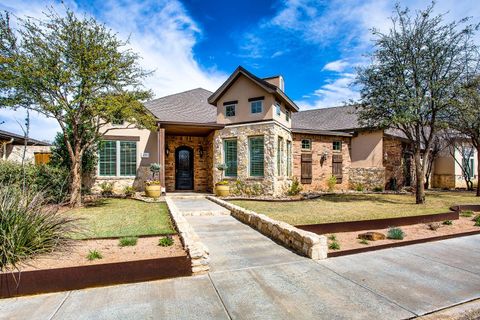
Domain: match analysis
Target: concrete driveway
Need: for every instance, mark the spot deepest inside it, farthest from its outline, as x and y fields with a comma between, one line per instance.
x=254, y=278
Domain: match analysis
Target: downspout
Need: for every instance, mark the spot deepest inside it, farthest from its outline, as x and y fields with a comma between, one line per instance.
x=4, y=156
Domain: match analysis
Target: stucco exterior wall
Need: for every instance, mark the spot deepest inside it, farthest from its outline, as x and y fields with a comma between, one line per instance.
x=270, y=183
x=448, y=173
x=367, y=150
x=321, y=170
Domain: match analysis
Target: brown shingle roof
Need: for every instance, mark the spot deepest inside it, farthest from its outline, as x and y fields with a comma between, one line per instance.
x=336, y=118
x=189, y=106
x=19, y=139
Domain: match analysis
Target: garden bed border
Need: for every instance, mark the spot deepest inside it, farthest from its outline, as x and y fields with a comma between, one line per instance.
x=466, y=207
x=22, y=283
x=362, y=225
x=306, y=243
x=400, y=244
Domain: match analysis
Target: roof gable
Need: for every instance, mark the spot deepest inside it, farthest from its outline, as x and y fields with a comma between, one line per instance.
x=268, y=87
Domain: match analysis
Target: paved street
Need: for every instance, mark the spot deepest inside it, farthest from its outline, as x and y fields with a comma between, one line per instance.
x=254, y=278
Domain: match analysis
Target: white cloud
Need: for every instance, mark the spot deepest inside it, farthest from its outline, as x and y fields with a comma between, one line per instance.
x=161, y=32
x=337, y=65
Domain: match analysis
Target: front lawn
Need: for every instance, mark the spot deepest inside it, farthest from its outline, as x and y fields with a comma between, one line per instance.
x=354, y=207
x=122, y=217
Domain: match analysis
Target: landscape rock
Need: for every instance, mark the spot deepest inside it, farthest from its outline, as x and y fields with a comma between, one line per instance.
x=372, y=236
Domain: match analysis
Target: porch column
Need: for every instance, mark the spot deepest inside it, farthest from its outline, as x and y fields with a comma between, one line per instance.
x=161, y=154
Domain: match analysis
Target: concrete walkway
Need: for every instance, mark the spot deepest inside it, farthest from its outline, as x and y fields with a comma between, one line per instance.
x=254, y=278
x=197, y=206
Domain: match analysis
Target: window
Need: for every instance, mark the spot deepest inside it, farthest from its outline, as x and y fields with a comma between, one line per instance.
x=278, y=109
x=117, y=158
x=468, y=162
x=287, y=115
x=256, y=106
x=289, y=158
x=230, y=110
x=128, y=158
x=256, y=156
x=306, y=144
x=280, y=156
x=107, y=158
x=337, y=145
x=230, y=157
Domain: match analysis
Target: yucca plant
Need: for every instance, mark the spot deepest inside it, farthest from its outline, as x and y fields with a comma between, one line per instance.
x=29, y=227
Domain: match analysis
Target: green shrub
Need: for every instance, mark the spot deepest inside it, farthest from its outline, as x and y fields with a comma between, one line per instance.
x=364, y=241
x=477, y=220
x=29, y=226
x=332, y=237
x=94, y=255
x=466, y=214
x=52, y=182
x=359, y=187
x=127, y=241
x=106, y=188
x=129, y=191
x=295, y=187
x=334, y=245
x=378, y=189
x=331, y=182
x=395, y=233
x=447, y=222
x=165, y=241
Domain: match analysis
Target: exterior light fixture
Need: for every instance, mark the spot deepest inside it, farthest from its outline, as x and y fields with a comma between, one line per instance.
x=167, y=150
x=200, y=151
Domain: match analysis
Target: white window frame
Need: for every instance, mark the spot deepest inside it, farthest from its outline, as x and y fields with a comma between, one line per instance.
x=310, y=143
x=117, y=161
x=234, y=110
x=278, y=109
x=288, y=115
x=261, y=106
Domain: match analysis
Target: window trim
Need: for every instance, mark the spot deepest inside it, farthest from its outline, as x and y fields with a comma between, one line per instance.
x=278, y=109
x=309, y=142
x=234, y=110
x=118, y=161
x=289, y=158
x=261, y=106
x=288, y=114
x=280, y=156
x=225, y=157
x=250, y=156
x=333, y=146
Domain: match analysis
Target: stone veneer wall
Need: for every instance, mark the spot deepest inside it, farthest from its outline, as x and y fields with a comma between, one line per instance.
x=321, y=171
x=394, y=162
x=443, y=181
x=271, y=183
x=306, y=243
x=368, y=177
x=197, y=251
x=202, y=166
x=15, y=152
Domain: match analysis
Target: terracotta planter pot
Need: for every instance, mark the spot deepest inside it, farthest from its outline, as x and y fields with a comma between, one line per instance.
x=222, y=190
x=153, y=191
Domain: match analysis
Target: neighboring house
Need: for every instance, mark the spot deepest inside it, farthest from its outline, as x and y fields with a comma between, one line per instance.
x=450, y=163
x=12, y=147
x=250, y=124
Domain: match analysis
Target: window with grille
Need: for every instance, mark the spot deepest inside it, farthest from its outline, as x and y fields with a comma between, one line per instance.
x=337, y=145
x=256, y=156
x=107, y=158
x=287, y=115
x=278, y=109
x=289, y=158
x=468, y=162
x=230, y=110
x=256, y=106
x=280, y=156
x=306, y=144
x=117, y=158
x=230, y=154
x=128, y=158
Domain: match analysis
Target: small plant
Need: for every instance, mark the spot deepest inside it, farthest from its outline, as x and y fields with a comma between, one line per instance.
x=364, y=241
x=155, y=170
x=128, y=241
x=434, y=226
x=378, y=189
x=94, y=255
x=359, y=187
x=295, y=187
x=106, y=188
x=332, y=237
x=477, y=220
x=165, y=241
x=334, y=245
x=129, y=191
x=395, y=234
x=447, y=222
x=331, y=182
x=222, y=167
x=466, y=214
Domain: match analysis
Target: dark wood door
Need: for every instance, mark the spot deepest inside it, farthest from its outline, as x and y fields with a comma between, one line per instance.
x=184, y=168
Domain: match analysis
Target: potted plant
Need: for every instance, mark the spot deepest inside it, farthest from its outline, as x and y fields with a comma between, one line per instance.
x=222, y=187
x=153, y=189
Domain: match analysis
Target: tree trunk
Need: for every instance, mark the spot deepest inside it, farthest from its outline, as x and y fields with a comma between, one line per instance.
x=419, y=179
x=76, y=182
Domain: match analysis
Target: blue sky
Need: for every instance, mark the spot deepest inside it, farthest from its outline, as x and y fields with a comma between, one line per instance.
x=315, y=45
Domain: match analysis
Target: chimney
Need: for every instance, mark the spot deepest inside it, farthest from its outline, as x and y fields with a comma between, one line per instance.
x=276, y=81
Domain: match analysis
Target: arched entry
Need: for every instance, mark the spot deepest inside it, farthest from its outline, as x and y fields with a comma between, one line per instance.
x=184, y=168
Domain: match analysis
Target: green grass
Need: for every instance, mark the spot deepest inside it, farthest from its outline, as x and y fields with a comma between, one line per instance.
x=165, y=241
x=127, y=241
x=94, y=255
x=354, y=207
x=122, y=218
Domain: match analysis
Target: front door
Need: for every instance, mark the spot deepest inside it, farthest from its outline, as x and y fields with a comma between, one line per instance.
x=184, y=168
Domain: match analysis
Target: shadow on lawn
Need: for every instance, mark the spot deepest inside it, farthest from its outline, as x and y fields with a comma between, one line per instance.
x=380, y=198
x=96, y=203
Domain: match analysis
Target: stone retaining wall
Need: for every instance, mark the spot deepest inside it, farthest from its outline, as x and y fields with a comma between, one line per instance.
x=306, y=243
x=197, y=251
